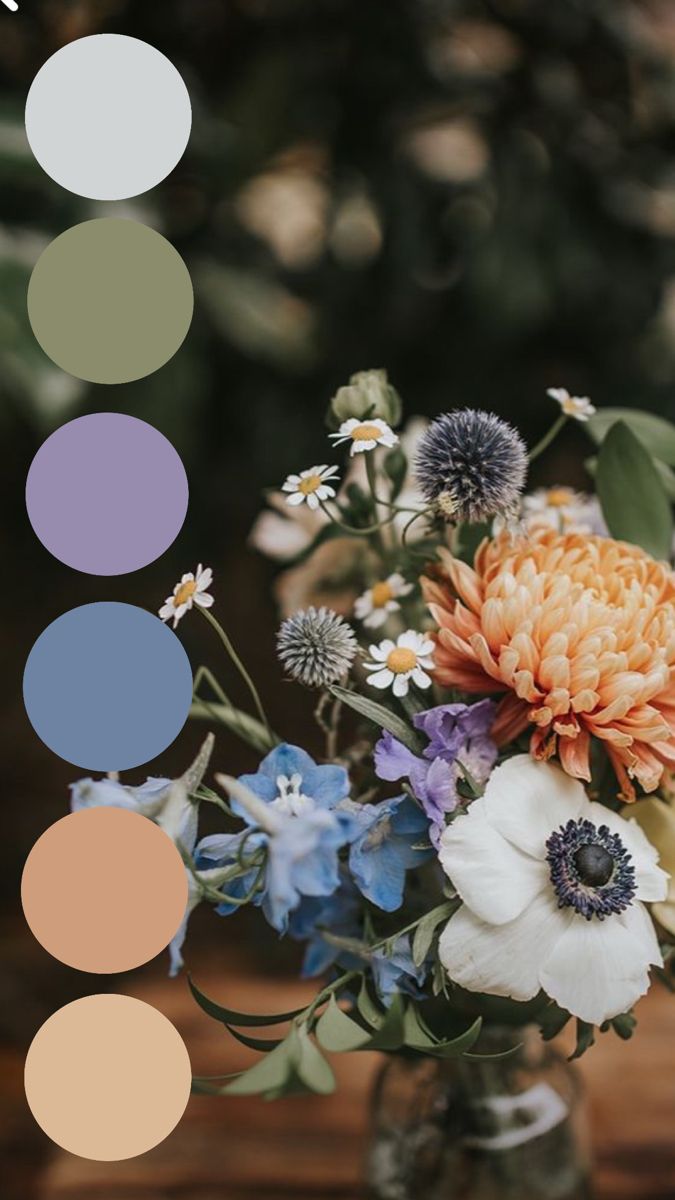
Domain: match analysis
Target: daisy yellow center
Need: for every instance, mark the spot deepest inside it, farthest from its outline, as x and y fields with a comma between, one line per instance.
x=401, y=660
x=184, y=592
x=558, y=497
x=365, y=433
x=309, y=485
x=382, y=593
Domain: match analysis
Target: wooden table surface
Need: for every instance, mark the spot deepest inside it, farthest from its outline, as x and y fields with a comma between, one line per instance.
x=312, y=1148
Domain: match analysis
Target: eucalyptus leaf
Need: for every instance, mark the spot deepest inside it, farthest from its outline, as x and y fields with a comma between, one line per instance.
x=383, y=717
x=634, y=501
x=338, y=1032
x=269, y=1074
x=262, y=1044
x=248, y=728
x=367, y=1007
x=311, y=1066
x=655, y=433
x=461, y=1044
x=229, y=1016
x=391, y=1033
x=424, y=934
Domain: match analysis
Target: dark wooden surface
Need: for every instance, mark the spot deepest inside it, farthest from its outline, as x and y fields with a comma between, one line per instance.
x=312, y=1148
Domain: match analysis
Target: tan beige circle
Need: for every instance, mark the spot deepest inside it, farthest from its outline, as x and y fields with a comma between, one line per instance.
x=107, y=1077
x=104, y=890
x=110, y=300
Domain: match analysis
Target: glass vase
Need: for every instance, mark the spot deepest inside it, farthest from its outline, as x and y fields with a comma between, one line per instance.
x=507, y=1127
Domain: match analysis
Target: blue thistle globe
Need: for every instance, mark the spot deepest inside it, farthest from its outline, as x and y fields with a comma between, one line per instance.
x=471, y=465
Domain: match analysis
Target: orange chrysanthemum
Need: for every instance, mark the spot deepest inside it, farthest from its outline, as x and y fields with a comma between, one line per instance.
x=580, y=632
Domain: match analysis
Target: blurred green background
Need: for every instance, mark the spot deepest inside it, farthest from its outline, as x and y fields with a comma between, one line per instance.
x=479, y=197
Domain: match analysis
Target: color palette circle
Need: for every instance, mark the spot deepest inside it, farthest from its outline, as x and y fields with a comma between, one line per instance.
x=110, y=300
x=107, y=1077
x=107, y=686
x=104, y=890
x=108, y=117
x=107, y=494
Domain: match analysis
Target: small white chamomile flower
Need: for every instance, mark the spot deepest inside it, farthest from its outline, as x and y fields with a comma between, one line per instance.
x=375, y=605
x=396, y=663
x=192, y=589
x=365, y=435
x=578, y=407
x=310, y=487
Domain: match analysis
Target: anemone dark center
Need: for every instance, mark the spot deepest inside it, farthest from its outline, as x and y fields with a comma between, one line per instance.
x=591, y=870
x=594, y=865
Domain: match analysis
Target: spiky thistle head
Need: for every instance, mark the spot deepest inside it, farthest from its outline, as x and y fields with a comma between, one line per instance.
x=471, y=465
x=316, y=646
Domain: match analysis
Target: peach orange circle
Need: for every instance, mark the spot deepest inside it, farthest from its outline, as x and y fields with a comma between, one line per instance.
x=107, y=1077
x=104, y=890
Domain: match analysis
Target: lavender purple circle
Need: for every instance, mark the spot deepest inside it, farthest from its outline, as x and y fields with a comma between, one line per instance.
x=107, y=494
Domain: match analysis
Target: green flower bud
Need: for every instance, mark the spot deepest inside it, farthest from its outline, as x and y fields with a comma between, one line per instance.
x=368, y=394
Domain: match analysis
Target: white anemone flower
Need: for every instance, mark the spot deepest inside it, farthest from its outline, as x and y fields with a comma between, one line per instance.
x=396, y=663
x=375, y=605
x=365, y=435
x=577, y=407
x=553, y=888
x=192, y=589
x=310, y=487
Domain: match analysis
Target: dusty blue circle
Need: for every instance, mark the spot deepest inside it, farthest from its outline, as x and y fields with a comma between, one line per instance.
x=107, y=686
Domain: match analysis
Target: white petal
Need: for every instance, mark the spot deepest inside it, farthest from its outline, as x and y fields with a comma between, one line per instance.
x=421, y=678
x=375, y=618
x=527, y=800
x=410, y=640
x=291, y=483
x=295, y=499
x=598, y=969
x=382, y=679
x=492, y=876
x=313, y=500
x=203, y=599
x=502, y=960
x=651, y=879
x=637, y=919
x=204, y=579
x=380, y=653
x=401, y=684
x=360, y=446
x=166, y=611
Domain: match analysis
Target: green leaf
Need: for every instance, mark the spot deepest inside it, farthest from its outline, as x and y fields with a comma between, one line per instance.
x=338, y=1032
x=391, y=1033
x=424, y=934
x=585, y=1039
x=633, y=498
x=552, y=1020
x=367, y=1007
x=469, y=538
x=229, y=1017
x=250, y=730
x=624, y=1025
x=461, y=1044
x=380, y=716
x=311, y=1066
x=269, y=1074
x=417, y=1033
x=263, y=1044
x=655, y=433
x=396, y=468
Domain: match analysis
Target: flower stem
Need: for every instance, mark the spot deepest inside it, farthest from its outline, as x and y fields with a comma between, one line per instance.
x=548, y=437
x=371, y=472
x=239, y=666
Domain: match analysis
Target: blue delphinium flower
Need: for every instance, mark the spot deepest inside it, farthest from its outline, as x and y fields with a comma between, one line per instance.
x=293, y=802
x=385, y=847
x=459, y=736
x=396, y=972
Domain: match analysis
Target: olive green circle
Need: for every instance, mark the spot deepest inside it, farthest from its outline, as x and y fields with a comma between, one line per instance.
x=110, y=300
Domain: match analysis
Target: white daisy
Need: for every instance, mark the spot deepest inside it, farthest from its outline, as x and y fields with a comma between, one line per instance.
x=375, y=605
x=578, y=407
x=396, y=663
x=191, y=590
x=365, y=435
x=563, y=509
x=310, y=487
x=553, y=886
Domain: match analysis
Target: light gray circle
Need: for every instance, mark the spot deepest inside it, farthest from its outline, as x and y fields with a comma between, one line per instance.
x=108, y=117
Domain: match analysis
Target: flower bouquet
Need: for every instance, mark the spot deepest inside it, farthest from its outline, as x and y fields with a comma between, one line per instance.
x=486, y=846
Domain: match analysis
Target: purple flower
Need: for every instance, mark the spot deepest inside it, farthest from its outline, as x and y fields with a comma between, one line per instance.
x=458, y=737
